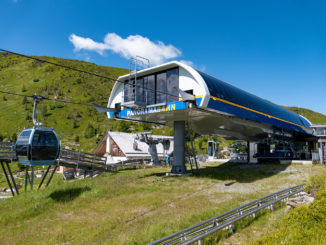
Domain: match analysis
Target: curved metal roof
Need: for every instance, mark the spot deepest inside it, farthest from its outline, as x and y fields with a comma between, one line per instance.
x=250, y=106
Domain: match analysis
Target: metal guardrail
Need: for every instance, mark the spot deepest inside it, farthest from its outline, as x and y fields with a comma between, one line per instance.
x=7, y=151
x=72, y=158
x=66, y=157
x=226, y=220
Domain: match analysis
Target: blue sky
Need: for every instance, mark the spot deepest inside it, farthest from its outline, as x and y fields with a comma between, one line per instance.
x=274, y=49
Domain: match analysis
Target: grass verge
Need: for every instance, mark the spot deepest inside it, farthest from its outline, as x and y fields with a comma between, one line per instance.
x=137, y=206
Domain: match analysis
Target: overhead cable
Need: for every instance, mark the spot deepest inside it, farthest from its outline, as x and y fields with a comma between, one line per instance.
x=86, y=72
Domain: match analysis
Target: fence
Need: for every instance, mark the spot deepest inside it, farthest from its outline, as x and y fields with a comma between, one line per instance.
x=7, y=151
x=72, y=158
x=226, y=220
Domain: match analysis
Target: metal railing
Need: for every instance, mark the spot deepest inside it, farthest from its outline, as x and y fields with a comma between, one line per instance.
x=72, y=158
x=66, y=157
x=226, y=220
x=7, y=151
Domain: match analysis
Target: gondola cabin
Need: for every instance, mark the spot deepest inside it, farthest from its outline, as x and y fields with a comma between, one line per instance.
x=37, y=146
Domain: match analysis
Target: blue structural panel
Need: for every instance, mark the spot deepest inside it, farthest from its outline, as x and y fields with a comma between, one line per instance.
x=229, y=99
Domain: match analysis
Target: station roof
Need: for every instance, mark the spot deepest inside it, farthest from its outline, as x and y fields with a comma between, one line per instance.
x=227, y=92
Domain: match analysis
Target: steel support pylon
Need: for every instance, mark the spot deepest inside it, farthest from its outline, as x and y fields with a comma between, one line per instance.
x=179, y=166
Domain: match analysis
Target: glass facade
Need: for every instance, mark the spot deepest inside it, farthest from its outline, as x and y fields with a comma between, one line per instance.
x=149, y=84
x=320, y=131
x=139, y=92
x=161, y=88
x=129, y=91
x=172, y=82
x=153, y=89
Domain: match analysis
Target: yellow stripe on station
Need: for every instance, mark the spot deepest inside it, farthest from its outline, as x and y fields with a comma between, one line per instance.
x=197, y=96
x=252, y=110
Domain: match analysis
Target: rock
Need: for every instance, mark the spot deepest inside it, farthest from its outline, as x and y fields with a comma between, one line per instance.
x=301, y=198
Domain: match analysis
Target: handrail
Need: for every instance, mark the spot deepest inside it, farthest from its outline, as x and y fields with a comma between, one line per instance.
x=81, y=159
x=7, y=151
x=199, y=231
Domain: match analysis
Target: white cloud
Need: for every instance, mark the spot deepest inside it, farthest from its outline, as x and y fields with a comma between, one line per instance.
x=86, y=44
x=133, y=45
x=192, y=64
x=187, y=62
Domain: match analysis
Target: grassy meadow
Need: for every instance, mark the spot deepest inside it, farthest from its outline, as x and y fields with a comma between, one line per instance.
x=139, y=206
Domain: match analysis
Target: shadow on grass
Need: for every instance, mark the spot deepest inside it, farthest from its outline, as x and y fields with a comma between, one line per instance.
x=238, y=172
x=68, y=194
x=241, y=172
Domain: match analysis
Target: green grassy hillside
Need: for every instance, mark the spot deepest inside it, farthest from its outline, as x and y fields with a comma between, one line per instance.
x=314, y=117
x=79, y=127
x=139, y=206
x=305, y=224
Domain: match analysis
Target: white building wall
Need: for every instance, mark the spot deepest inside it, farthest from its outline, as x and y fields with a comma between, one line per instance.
x=187, y=82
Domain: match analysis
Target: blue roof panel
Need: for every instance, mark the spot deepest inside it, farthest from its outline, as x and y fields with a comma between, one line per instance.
x=230, y=93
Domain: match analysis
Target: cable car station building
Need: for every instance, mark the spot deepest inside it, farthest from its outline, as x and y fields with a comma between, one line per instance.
x=178, y=95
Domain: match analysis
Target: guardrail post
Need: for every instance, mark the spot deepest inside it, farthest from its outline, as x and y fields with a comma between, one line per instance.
x=200, y=242
x=215, y=223
x=231, y=228
x=183, y=237
x=93, y=165
x=271, y=207
x=78, y=159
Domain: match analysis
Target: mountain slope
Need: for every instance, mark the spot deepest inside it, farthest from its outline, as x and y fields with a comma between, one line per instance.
x=73, y=123
x=79, y=127
x=314, y=117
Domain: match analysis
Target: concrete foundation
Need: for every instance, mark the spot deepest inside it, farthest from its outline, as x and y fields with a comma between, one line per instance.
x=178, y=166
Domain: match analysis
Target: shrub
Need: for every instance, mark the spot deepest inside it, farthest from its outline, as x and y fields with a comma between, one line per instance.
x=28, y=117
x=23, y=88
x=90, y=131
x=75, y=125
x=24, y=101
x=77, y=139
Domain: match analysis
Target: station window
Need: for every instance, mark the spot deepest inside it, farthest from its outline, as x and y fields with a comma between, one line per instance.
x=139, y=92
x=129, y=91
x=161, y=88
x=149, y=84
x=172, y=82
x=320, y=131
x=153, y=89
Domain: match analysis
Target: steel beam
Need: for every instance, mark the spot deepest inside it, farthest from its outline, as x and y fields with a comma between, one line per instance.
x=178, y=166
x=8, y=181
x=12, y=178
x=46, y=173
x=56, y=166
